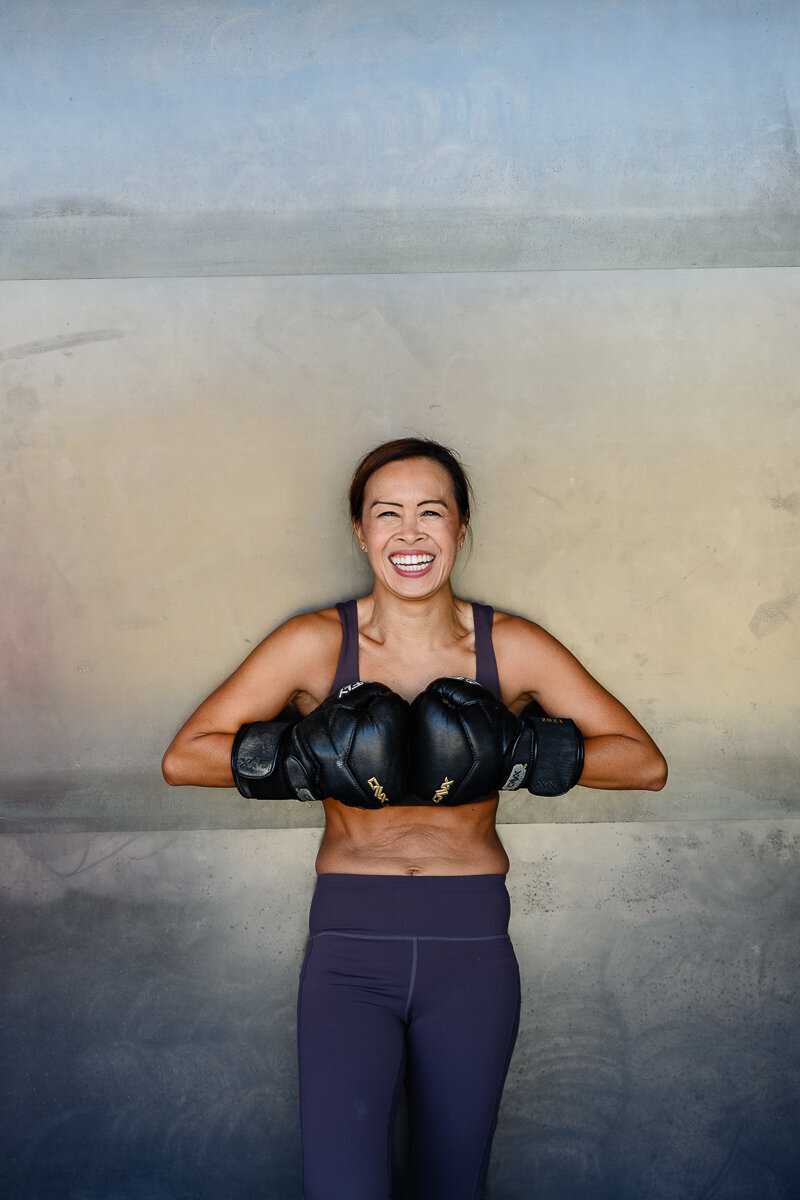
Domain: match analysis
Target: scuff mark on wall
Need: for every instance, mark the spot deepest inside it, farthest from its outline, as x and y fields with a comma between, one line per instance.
x=770, y=616
x=64, y=342
x=789, y=503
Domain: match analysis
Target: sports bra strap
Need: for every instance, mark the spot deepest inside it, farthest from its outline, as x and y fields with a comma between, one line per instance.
x=347, y=666
x=485, y=661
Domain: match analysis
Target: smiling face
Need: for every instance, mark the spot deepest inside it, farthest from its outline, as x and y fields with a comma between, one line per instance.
x=411, y=526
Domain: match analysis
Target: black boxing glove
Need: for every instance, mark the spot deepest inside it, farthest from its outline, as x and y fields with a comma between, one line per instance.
x=462, y=740
x=547, y=755
x=258, y=754
x=354, y=747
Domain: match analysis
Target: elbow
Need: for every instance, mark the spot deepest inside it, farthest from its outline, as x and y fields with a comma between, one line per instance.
x=657, y=774
x=170, y=768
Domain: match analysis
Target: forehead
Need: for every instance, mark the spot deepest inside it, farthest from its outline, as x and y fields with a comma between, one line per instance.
x=410, y=478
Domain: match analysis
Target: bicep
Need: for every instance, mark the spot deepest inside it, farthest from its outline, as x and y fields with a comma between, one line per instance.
x=549, y=673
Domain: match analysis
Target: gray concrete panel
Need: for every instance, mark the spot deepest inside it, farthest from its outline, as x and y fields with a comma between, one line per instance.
x=166, y=139
x=148, y=1014
x=148, y=1044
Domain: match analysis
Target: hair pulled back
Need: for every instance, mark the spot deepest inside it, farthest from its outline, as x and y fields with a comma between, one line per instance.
x=410, y=447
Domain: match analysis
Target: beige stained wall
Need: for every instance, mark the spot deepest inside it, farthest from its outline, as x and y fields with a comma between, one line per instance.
x=176, y=454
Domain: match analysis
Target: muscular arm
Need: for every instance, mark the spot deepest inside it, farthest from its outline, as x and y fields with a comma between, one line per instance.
x=619, y=753
x=289, y=665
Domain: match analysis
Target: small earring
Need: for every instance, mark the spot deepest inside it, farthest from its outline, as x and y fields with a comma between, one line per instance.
x=461, y=545
x=364, y=548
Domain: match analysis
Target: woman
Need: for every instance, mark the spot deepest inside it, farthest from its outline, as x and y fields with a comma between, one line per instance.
x=409, y=975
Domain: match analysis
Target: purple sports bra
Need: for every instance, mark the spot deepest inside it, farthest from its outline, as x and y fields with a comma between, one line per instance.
x=485, y=664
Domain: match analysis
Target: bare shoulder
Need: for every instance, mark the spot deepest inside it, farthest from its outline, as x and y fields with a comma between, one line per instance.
x=295, y=662
x=532, y=663
x=308, y=634
x=302, y=653
x=513, y=634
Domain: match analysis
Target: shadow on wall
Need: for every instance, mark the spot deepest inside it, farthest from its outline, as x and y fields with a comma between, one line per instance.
x=154, y=1066
x=660, y=1054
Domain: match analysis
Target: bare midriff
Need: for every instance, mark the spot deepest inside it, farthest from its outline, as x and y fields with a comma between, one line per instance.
x=412, y=841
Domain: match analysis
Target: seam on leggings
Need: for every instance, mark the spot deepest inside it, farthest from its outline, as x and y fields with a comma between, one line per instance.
x=413, y=978
x=405, y=937
x=300, y=1054
x=512, y=1038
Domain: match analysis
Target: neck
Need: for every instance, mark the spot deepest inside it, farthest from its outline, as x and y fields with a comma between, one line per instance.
x=430, y=619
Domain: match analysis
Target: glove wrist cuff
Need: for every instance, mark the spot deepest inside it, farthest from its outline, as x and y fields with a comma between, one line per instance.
x=523, y=761
x=255, y=761
x=559, y=756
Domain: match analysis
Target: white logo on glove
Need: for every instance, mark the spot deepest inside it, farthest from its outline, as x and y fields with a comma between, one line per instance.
x=350, y=687
x=516, y=778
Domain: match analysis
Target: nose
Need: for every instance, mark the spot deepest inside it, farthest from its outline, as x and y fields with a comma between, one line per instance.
x=409, y=530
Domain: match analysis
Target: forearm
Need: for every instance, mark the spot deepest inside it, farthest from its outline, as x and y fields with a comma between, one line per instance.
x=203, y=760
x=614, y=761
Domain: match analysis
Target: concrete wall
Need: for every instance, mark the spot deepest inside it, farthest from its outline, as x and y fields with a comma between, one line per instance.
x=238, y=245
x=149, y=981
x=221, y=138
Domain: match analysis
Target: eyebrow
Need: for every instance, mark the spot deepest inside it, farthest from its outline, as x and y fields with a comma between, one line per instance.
x=399, y=503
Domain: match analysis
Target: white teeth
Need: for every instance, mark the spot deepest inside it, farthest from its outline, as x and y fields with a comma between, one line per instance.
x=407, y=561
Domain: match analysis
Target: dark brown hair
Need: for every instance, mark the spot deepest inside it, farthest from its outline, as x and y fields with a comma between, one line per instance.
x=410, y=447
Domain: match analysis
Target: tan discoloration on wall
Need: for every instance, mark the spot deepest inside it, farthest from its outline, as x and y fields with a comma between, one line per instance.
x=175, y=492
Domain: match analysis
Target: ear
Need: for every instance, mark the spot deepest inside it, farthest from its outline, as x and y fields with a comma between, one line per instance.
x=358, y=532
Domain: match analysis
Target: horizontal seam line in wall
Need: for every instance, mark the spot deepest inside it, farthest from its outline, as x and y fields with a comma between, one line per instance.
x=405, y=937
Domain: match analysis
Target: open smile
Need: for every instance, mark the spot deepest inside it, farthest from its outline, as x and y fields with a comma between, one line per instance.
x=411, y=564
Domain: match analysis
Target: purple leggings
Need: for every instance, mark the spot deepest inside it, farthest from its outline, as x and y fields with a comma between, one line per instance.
x=407, y=980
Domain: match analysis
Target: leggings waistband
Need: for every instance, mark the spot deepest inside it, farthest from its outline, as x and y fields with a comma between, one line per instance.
x=448, y=906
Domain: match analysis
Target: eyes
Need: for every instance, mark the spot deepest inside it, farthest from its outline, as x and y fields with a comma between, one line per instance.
x=392, y=512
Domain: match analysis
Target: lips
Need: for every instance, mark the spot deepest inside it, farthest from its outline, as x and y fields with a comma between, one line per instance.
x=411, y=564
